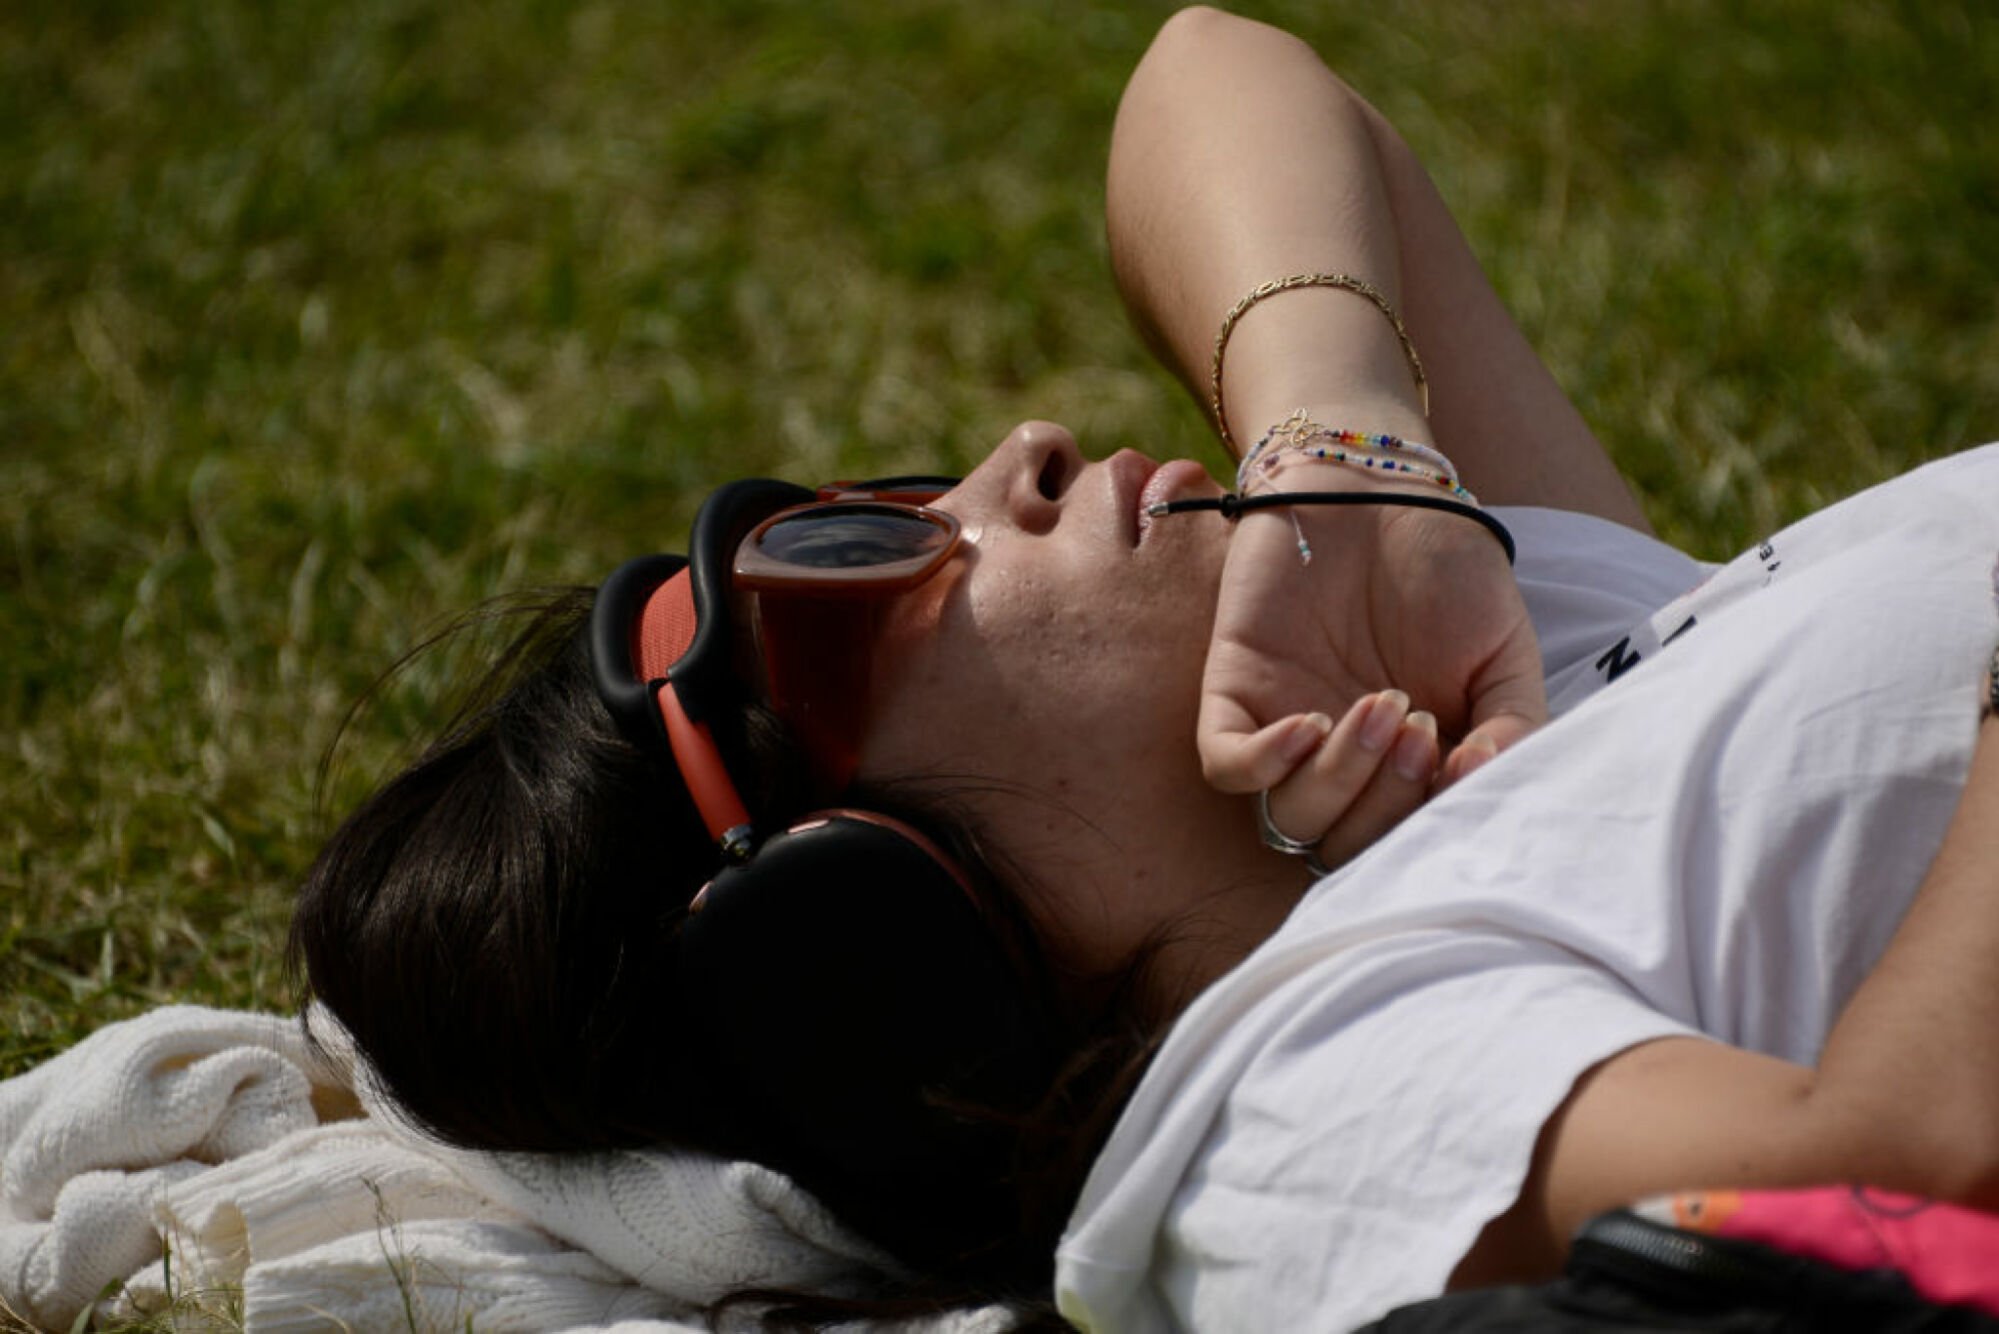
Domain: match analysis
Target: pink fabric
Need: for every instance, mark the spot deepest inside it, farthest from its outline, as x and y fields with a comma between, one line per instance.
x=1949, y=1253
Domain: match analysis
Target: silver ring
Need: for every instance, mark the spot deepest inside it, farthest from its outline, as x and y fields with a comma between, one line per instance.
x=1278, y=841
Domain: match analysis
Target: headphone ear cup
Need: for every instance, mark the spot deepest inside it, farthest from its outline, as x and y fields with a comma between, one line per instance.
x=871, y=1034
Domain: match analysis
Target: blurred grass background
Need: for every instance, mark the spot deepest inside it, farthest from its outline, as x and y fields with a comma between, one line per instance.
x=319, y=323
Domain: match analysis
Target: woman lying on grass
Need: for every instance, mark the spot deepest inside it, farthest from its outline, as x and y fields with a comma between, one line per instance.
x=908, y=839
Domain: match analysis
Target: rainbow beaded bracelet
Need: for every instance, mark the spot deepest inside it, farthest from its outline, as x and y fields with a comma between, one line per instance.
x=1298, y=435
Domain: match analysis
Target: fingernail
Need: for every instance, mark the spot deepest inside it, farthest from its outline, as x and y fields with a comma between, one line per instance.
x=1414, y=752
x=1473, y=754
x=1384, y=715
x=1306, y=737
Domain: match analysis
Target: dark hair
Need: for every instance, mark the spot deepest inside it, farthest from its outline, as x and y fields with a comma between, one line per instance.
x=495, y=928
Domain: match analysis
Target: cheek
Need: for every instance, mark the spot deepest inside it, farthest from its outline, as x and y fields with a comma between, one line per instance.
x=1037, y=672
x=1093, y=657
x=1045, y=646
x=966, y=685
x=1058, y=705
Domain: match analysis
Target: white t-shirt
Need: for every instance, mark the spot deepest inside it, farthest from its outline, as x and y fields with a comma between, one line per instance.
x=1742, y=788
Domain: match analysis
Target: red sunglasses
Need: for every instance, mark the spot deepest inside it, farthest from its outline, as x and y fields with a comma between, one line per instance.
x=809, y=571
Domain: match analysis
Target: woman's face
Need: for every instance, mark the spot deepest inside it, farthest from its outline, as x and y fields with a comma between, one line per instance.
x=1050, y=678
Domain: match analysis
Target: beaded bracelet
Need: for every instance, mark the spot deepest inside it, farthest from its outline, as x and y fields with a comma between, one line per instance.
x=1298, y=431
x=1298, y=435
x=1374, y=460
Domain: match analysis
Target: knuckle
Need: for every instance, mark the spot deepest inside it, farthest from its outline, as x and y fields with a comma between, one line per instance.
x=1220, y=771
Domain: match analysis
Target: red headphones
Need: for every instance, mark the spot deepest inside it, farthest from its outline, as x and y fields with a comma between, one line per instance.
x=844, y=998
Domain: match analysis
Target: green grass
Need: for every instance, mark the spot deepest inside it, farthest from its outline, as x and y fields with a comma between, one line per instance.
x=320, y=322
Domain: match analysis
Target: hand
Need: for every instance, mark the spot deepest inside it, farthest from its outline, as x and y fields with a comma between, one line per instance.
x=1399, y=610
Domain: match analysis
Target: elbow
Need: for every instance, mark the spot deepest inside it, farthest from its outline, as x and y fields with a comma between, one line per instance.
x=1197, y=32
x=1195, y=24
x=1199, y=40
x=1185, y=36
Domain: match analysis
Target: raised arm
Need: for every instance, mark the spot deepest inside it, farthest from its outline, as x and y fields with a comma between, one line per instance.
x=1240, y=157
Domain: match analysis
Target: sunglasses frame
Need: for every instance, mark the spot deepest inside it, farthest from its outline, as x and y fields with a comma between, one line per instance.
x=670, y=716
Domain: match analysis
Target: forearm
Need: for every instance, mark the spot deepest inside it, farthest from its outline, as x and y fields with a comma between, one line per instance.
x=1238, y=158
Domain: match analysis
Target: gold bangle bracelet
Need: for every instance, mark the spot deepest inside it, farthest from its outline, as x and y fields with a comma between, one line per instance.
x=1345, y=282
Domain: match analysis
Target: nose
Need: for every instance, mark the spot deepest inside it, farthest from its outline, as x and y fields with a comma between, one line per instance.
x=1025, y=478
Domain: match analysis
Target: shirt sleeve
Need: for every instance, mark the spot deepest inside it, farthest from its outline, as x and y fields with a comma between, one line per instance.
x=1587, y=580
x=1361, y=1110
x=1389, y=1117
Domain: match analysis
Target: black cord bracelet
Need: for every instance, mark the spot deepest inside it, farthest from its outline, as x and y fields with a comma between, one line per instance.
x=1231, y=505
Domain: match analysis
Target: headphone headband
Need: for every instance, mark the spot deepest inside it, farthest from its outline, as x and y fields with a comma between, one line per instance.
x=614, y=662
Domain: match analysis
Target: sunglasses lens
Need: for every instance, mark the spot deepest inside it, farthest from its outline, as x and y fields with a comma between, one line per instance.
x=851, y=536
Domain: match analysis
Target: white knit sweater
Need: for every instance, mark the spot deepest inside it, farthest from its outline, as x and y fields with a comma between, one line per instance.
x=211, y=1158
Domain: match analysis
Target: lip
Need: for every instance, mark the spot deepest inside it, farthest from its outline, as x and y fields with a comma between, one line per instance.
x=1130, y=474
x=1169, y=478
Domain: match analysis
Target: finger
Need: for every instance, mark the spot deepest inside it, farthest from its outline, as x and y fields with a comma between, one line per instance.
x=1481, y=744
x=1465, y=758
x=1397, y=788
x=1510, y=701
x=1322, y=789
x=1235, y=757
x=1510, y=697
